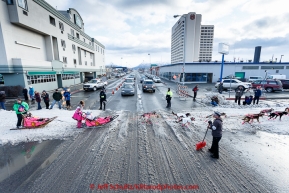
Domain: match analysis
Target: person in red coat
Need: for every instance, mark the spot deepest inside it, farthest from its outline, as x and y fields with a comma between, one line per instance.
x=38, y=99
x=195, y=90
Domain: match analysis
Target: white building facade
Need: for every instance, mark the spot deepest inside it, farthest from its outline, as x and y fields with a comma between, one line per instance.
x=209, y=72
x=189, y=39
x=46, y=48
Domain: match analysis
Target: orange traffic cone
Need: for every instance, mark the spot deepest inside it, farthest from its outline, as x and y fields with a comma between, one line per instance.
x=112, y=91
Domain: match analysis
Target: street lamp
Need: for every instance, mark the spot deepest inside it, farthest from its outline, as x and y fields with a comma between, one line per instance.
x=184, y=54
x=281, y=58
x=223, y=49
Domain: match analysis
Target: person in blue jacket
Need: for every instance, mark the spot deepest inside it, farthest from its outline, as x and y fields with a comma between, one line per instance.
x=66, y=95
x=257, y=93
x=31, y=93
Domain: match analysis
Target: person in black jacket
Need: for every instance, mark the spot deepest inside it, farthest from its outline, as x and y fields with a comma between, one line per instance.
x=25, y=93
x=2, y=99
x=57, y=96
x=216, y=128
x=257, y=93
x=45, y=97
x=102, y=97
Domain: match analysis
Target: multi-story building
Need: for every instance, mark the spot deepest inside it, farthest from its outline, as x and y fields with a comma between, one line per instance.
x=46, y=48
x=189, y=40
x=206, y=43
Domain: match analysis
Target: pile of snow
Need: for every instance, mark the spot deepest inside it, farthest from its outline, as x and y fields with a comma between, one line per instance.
x=60, y=128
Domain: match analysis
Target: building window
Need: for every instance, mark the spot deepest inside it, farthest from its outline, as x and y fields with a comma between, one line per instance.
x=85, y=63
x=40, y=79
x=91, y=55
x=73, y=48
x=83, y=39
x=63, y=44
x=84, y=53
x=61, y=26
x=52, y=20
x=64, y=60
x=22, y=4
x=72, y=32
x=9, y=2
x=77, y=35
x=74, y=61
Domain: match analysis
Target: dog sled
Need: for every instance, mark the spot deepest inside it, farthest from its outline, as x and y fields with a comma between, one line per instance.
x=90, y=121
x=32, y=122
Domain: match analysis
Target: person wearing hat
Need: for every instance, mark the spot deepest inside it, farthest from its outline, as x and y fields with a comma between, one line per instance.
x=45, y=97
x=216, y=128
x=57, y=96
x=31, y=93
x=169, y=97
x=66, y=95
x=257, y=94
x=102, y=99
x=20, y=108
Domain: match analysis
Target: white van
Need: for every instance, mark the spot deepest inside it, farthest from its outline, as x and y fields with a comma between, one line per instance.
x=277, y=76
x=255, y=78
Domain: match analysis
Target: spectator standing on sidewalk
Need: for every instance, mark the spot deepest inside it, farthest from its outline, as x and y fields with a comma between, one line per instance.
x=31, y=93
x=239, y=93
x=169, y=97
x=45, y=97
x=66, y=95
x=38, y=100
x=20, y=108
x=257, y=94
x=2, y=99
x=57, y=96
x=195, y=89
x=25, y=93
x=220, y=88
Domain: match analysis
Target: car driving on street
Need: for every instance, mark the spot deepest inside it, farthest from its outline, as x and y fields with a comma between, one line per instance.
x=127, y=89
x=93, y=84
x=148, y=85
x=233, y=84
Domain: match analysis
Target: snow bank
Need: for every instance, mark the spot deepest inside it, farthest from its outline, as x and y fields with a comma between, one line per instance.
x=60, y=128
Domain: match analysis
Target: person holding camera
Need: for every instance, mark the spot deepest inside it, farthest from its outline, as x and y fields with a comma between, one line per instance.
x=216, y=128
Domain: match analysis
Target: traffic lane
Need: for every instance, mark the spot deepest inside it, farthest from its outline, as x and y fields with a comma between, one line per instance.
x=117, y=102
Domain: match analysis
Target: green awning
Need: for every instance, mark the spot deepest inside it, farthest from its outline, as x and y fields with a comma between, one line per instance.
x=70, y=72
x=41, y=73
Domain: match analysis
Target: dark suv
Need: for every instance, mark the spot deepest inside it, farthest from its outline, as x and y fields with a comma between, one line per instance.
x=269, y=85
x=148, y=85
x=285, y=83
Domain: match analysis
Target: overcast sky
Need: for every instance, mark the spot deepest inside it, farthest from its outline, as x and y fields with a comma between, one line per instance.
x=132, y=29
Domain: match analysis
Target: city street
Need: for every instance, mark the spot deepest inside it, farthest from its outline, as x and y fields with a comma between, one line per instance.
x=131, y=151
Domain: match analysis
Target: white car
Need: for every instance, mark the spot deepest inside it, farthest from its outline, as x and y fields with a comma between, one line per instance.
x=93, y=84
x=233, y=84
x=129, y=81
x=156, y=79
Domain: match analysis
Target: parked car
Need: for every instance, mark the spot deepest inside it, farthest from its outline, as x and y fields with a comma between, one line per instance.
x=255, y=78
x=156, y=79
x=127, y=89
x=269, y=85
x=129, y=81
x=148, y=85
x=93, y=84
x=285, y=83
x=142, y=79
x=233, y=84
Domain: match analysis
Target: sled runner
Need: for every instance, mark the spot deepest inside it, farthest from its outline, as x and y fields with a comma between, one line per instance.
x=30, y=122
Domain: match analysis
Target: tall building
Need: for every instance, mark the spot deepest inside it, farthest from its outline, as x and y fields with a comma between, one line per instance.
x=46, y=48
x=190, y=40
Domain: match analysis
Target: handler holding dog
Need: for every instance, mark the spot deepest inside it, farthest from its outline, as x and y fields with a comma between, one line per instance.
x=216, y=128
